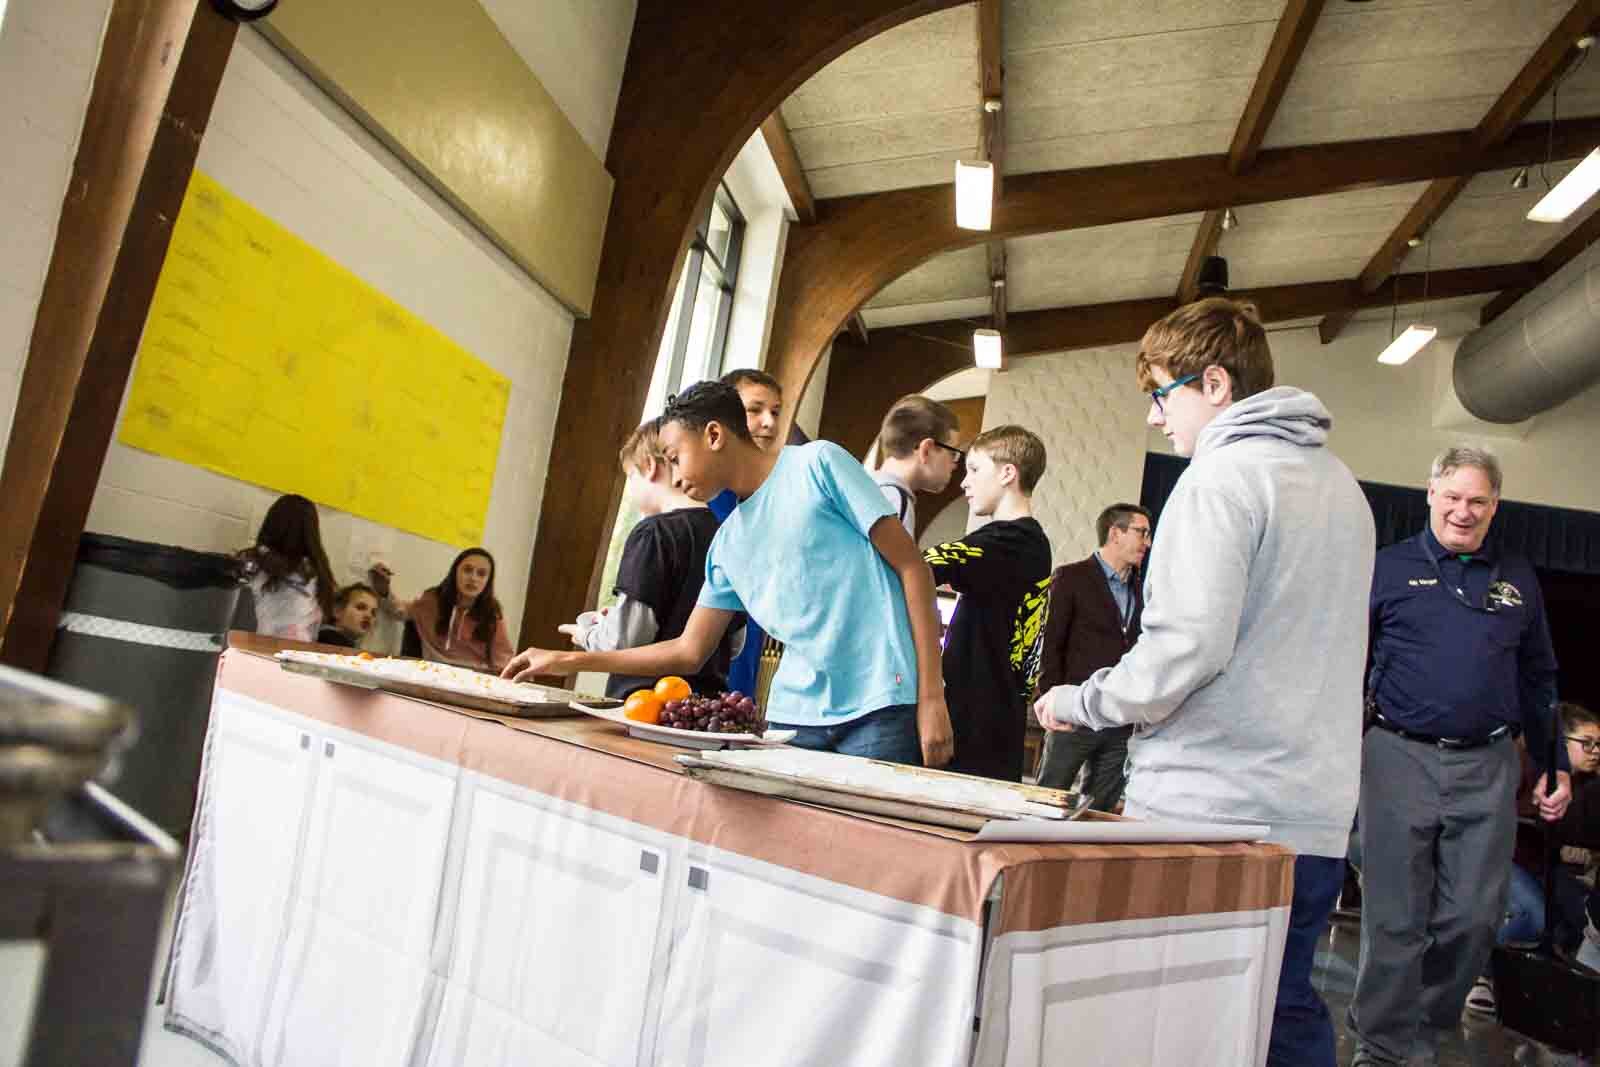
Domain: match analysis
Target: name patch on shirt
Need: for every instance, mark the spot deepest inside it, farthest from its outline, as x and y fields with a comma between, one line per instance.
x=1423, y=581
x=1505, y=595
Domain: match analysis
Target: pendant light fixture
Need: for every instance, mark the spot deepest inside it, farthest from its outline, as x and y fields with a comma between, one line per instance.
x=1417, y=336
x=974, y=195
x=1582, y=181
x=986, y=348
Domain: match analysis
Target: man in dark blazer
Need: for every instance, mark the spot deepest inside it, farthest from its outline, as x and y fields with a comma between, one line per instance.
x=1095, y=605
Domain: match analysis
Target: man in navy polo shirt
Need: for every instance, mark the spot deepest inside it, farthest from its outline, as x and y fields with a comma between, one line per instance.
x=1460, y=663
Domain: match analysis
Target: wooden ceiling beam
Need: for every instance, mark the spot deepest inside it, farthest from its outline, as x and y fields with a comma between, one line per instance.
x=1283, y=55
x=992, y=142
x=863, y=380
x=1535, y=78
x=1569, y=248
x=861, y=243
x=776, y=133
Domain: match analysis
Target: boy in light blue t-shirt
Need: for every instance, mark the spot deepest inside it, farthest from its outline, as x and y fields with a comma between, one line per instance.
x=814, y=554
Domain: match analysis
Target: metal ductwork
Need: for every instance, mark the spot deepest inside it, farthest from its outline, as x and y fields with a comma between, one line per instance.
x=1541, y=353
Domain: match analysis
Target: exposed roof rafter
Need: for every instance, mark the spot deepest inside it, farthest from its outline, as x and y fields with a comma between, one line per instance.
x=992, y=143
x=1531, y=83
x=779, y=143
x=1283, y=54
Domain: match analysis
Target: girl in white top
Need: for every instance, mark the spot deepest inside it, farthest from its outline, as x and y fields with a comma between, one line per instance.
x=288, y=571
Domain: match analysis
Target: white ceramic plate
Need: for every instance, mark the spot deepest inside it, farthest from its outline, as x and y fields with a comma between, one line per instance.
x=671, y=735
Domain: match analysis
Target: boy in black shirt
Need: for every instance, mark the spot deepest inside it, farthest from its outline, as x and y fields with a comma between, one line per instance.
x=659, y=576
x=1002, y=571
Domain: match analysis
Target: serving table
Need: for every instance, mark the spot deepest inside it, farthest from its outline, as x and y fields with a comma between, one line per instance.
x=376, y=879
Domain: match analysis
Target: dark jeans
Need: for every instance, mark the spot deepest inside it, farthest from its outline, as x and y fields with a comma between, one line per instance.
x=1106, y=752
x=1525, y=908
x=1302, y=1030
x=888, y=734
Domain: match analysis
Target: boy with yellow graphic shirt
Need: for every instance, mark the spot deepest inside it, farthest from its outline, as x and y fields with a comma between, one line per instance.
x=1001, y=570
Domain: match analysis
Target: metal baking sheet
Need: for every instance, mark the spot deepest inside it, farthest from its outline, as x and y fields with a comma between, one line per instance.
x=872, y=802
x=555, y=703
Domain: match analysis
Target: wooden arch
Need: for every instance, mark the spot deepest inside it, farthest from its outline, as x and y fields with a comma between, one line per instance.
x=699, y=80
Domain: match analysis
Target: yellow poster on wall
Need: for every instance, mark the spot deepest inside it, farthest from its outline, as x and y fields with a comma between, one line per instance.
x=266, y=361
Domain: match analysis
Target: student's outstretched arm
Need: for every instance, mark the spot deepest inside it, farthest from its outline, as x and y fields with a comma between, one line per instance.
x=933, y=716
x=684, y=654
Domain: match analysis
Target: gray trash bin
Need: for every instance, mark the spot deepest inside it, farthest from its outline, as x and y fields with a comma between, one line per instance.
x=144, y=624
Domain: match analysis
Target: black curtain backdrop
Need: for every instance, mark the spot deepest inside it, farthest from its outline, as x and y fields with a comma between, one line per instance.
x=1562, y=543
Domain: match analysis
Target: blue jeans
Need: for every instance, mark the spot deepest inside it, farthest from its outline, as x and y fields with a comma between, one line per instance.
x=1302, y=1031
x=888, y=734
x=1525, y=908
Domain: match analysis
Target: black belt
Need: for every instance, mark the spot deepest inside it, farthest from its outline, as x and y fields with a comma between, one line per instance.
x=1480, y=741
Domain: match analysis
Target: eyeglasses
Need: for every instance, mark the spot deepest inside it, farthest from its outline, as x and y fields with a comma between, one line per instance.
x=960, y=453
x=1590, y=745
x=1141, y=532
x=1158, y=395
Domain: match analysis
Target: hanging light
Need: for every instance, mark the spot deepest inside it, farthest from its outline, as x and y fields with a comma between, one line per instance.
x=1229, y=219
x=974, y=195
x=1519, y=180
x=1408, y=344
x=986, y=348
x=1581, y=182
x=1417, y=336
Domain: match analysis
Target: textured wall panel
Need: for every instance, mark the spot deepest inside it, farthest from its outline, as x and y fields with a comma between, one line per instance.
x=1087, y=409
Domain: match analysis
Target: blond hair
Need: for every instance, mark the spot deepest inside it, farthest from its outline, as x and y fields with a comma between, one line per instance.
x=1017, y=446
x=1215, y=331
x=644, y=443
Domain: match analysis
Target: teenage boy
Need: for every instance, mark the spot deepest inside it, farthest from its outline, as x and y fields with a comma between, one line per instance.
x=762, y=398
x=1245, y=686
x=1002, y=571
x=917, y=453
x=659, y=576
x=815, y=554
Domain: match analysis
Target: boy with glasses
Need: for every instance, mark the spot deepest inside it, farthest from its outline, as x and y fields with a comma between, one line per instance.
x=1245, y=686
x=917, y=453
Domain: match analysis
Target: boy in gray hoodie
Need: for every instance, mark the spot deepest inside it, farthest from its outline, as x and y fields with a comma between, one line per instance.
x=1245, y=686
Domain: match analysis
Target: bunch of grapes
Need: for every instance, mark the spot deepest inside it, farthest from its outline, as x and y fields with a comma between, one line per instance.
x=726, y=713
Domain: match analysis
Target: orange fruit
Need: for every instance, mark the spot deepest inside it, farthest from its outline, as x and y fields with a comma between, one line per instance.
x=673, y=688
x=643, y=706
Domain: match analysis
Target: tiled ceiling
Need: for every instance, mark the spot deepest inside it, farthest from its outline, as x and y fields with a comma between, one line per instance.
x=1090, y=82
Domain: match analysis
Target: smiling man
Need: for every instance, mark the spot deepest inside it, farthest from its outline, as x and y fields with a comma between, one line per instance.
x=1460, y=664
x=1245, y=686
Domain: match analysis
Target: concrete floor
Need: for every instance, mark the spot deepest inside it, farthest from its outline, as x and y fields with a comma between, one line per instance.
x=1478, y=1042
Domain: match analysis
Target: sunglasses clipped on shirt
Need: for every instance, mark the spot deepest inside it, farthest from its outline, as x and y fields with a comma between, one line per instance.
x=1158, y=395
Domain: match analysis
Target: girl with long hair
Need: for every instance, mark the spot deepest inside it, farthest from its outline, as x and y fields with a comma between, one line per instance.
x=288, y=571
x=459, y=620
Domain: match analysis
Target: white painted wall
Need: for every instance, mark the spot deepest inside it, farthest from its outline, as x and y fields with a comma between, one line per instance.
x=1084, y=407
x=1383, y=417
x=281, y=145
x=808, y=416
x=577, y=49
x=757, y=188
x=48, y=51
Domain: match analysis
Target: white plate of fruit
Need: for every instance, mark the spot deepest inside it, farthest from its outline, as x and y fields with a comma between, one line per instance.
x=673, y=714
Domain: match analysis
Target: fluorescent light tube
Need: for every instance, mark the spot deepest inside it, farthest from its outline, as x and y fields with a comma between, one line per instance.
x=974, y=195
x=986, y=348
x=1408, y=344
x=1570, y=192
